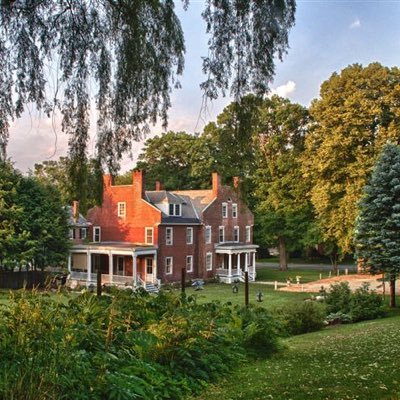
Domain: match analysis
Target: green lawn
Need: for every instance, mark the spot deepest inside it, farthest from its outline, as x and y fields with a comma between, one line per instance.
x=223, y=292
x=307, y=275
x=359, y=361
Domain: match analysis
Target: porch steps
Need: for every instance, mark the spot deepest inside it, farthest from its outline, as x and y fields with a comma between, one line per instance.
x=151, y=288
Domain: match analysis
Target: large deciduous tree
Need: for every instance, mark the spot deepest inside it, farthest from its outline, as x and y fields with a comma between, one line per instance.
x=377, y=237
x=283, y=213
x=357, y=112
x=131, y=53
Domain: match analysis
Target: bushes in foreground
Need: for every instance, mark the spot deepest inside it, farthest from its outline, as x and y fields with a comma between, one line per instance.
x=123, y=346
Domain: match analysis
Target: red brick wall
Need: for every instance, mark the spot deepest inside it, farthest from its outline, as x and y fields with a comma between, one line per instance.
x=139, y=213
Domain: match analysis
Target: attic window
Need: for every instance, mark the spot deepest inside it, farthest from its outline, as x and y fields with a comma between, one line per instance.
x=175, y=210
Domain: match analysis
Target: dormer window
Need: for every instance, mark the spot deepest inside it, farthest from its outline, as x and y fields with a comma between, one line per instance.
x=175, y=210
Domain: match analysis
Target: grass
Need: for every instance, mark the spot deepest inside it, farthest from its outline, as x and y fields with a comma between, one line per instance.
x=223, y=292
x=303, y=260
x=358, y=361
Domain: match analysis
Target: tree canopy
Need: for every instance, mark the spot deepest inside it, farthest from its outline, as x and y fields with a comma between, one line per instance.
x=377, y=236
x=356, y=114
x=131, y=52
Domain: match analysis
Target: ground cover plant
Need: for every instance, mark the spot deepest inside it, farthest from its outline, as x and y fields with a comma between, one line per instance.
x=357, y=361
x=124, y=345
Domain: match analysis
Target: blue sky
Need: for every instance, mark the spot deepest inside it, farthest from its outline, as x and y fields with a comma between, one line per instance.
x=328, y=36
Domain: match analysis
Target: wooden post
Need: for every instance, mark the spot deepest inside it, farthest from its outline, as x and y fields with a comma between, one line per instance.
x=246, y=288
x=276, y=285
x=183, y=279
x=99, y=281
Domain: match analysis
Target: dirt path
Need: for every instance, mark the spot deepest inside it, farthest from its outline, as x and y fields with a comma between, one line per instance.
x=355, y=281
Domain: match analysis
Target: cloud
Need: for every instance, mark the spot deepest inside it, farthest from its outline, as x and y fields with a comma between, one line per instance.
x=284, y=90
x=355, y=24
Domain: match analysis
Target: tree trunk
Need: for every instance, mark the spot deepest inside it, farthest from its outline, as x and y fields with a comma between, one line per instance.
x=392, y=291
x=283, y=259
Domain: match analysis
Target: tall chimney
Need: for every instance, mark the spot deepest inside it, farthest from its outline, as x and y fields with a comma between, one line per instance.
x=107, y=180
x=236, y=182
x=216, y=183
x=138, y=183
x=75, y=210
x=158, y=186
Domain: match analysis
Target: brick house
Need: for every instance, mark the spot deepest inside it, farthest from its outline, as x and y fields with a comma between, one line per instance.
x=144, y=238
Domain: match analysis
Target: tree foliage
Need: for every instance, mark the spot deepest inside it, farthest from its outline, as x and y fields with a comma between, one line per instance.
x=356, y=114
x=378, y=225
x=132, y=53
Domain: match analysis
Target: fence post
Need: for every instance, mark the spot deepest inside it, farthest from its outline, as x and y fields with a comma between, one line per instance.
x=183, y=279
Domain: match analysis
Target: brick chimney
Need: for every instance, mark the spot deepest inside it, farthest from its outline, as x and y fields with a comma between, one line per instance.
x=216, y=183
x=158, y=186
x=75, y=210
x=236, y=182
x=107, y=180
x=138, y=183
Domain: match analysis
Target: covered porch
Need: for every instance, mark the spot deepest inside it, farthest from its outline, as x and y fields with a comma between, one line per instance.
x=121, y=264
x=234, y=259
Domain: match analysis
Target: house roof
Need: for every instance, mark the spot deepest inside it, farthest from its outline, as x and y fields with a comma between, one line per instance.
x=80, y=222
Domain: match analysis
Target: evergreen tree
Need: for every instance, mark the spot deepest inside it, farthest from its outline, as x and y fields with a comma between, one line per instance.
x=377, y=234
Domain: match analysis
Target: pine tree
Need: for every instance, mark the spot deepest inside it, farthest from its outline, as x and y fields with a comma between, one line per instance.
x=377, y=236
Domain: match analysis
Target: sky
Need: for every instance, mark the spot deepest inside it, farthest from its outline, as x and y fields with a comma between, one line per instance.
x=327, y=37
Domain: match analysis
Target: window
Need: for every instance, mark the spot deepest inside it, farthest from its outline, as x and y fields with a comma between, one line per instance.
x=169, y=236
x=248, y=234
x=149, y=235
x=221, y=234
x=168, y=265
x=175, y=210
x=149, y=266
x=224, y=210
x=83, y=233
x=236, y=234
x=189, y=263
x=189, y=235
x=209, y=261
x=72, y=233
x=97, y=234
x=234, y=210
x=208, y=234
x=121, y=210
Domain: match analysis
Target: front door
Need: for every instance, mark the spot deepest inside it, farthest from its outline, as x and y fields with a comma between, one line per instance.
x=121, y=265
x=149, y=269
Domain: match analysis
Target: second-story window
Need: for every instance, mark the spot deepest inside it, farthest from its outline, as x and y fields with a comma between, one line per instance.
x=224, y=210
x=221, y=234
x=208, y=234
x=83, y=233
x=149, y=235
x=175, y=210
x=189, y=235
x=248, y=234
x=121, y=209
x=234, y=210
x=236, y=234
x=169, y=236
x=97, y=234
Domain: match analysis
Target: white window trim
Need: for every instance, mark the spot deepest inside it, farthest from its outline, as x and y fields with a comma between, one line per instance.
x=171, y=264
x=171, y=242
x=209, y=239
x=225, y=208
x=209, y=268
x=152, y=235
x=174, y=213
x=121, y=214
x=223, y=234
x=98, y=229
x=248, y=234
x=189, y=229
x=83, y=233
x=236, y=228
x=191, y=263
x=234, y=210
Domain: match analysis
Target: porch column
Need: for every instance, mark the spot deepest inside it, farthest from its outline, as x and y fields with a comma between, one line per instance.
x=134, y=269
x=110, y=267
x=246, y=261
x=230, y=265
x=89, y=267
x=69, y=262
x=254, y=266
x=238, y=263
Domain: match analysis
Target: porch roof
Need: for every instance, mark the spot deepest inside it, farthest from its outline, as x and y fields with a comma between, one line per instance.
x=233, y=248
x=115, y=246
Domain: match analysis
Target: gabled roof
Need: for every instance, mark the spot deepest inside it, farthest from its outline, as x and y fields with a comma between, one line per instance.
x=80, y=222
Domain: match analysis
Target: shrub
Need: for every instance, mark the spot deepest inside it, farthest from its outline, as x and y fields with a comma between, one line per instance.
x=339, y=298
x=338, y=318
x=301, y=318
x=366, y=304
